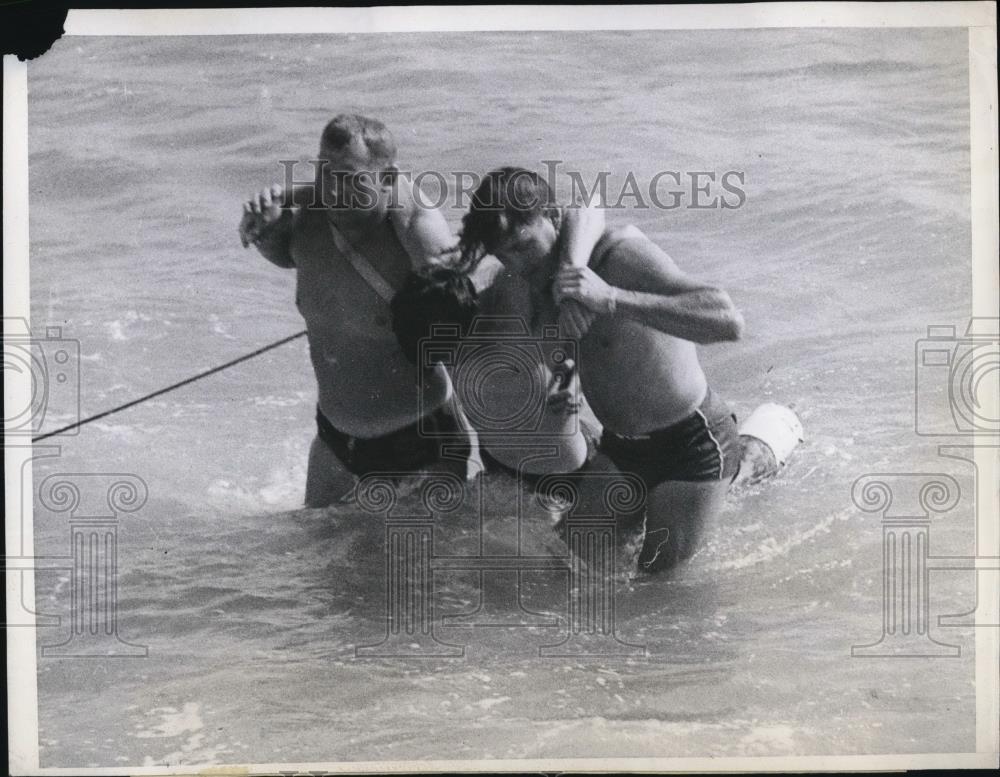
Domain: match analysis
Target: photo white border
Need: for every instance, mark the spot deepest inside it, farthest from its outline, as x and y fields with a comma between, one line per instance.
x=271, y=21
x=979, y=17
x=985, y=216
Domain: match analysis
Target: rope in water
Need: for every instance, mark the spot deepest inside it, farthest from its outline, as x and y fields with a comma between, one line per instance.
x=172, y=387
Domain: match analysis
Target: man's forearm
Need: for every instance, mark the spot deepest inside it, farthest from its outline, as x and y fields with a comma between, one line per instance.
x=702, y=316
x=275, y=242
x=582, y=230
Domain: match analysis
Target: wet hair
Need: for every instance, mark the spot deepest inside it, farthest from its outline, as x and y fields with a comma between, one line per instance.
x=343, y=129
x=507, y=198
x=441, y=296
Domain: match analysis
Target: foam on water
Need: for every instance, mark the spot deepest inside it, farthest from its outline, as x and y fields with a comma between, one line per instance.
x=769, y=546
x=175, y=724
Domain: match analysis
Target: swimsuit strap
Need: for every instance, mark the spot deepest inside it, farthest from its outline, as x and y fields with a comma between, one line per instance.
x=361, y=265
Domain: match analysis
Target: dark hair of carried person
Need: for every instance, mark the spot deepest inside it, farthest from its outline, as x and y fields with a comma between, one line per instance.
x=429, y=300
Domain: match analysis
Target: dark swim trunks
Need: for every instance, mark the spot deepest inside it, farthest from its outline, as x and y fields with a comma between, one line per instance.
x=406, y=450
x=704, y=446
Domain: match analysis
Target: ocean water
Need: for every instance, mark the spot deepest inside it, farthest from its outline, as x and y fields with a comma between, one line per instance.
x=853, y=238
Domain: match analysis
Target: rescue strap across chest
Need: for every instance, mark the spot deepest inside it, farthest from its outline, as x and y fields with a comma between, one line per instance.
x=361, y=265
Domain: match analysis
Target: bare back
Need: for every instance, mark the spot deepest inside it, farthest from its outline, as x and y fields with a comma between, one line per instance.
x=556, y=444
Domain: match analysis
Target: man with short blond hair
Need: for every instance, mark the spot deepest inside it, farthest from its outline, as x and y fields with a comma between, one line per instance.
x=352, y=238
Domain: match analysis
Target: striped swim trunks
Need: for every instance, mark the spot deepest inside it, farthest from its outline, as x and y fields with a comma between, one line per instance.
x=705, y=446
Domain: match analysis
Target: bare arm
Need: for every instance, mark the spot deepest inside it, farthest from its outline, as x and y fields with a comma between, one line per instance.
x=422, y=230
x=642, y=282
x=706, y=315
x=582, y=228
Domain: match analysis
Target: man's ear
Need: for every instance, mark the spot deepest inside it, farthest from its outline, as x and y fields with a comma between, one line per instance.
x=388, y=176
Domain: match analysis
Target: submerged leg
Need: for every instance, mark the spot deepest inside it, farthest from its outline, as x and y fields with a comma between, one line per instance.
x=327, y=481
x=676, y=514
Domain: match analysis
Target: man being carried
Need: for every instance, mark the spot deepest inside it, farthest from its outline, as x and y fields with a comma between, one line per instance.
x=505, y=366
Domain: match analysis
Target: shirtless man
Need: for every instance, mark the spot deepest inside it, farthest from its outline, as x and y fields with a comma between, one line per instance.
x=368, y=394
x=638, y=365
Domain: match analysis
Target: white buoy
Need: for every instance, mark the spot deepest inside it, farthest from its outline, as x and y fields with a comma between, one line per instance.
x=776, y=426
x=768, y=436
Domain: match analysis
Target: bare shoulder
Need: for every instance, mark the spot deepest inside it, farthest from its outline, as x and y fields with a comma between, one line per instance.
x=628, y=247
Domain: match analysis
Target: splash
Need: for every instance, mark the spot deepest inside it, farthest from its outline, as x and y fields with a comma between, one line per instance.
x=771, y=548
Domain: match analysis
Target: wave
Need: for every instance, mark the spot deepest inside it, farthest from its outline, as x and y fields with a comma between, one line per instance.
x=865, y=68
x=770, y=547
